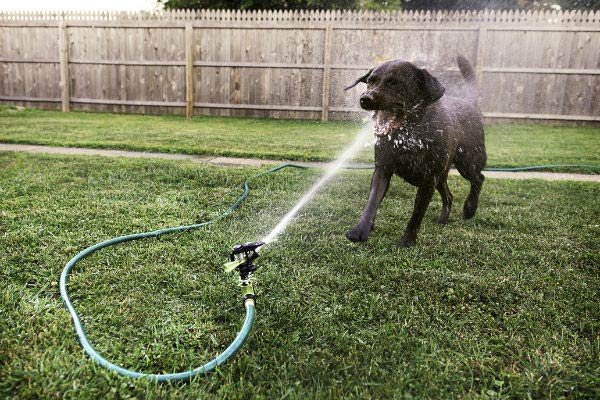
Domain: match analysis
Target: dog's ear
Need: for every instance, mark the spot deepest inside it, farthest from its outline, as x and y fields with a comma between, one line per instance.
x=432, y=88
x=361, y=79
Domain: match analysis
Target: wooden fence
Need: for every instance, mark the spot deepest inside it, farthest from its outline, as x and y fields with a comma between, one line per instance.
x=530, y=65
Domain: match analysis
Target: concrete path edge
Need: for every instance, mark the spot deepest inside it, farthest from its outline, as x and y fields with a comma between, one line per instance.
x=252, y=162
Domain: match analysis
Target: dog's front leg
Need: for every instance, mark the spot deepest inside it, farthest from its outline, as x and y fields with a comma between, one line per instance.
x=379, y=186
x=424, y=195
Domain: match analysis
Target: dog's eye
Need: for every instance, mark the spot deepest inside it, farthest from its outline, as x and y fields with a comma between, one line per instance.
x=393, y=82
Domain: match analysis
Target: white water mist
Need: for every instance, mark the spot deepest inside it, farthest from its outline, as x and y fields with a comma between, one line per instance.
x=331, y=170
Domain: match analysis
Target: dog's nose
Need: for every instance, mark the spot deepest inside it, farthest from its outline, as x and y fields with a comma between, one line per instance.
x=366, y=101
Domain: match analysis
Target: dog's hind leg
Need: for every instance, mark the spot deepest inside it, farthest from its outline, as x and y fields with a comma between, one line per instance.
x=444, y=190
x=424, y=195
x=473, y=174
x=470, y=165
x=472, y=201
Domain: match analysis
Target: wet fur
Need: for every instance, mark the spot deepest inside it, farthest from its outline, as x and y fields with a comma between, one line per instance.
x=421, y=133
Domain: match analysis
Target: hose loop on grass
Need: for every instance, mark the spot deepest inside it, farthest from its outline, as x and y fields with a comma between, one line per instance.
x=248, y=294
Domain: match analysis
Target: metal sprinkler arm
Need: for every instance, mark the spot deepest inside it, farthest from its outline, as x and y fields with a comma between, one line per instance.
x=249, y=249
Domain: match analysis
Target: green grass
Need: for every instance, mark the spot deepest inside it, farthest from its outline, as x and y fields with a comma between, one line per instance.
x=509, y=145
x=501, y=306
x=225, y=136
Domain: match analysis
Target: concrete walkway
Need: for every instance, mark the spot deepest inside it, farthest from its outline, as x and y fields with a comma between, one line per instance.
x=251, y=162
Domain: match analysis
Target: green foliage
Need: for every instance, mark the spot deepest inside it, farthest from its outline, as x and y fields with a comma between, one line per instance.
x=377, y=5
x=384, y=4
x=285, y=5
x=500, y=4
x=261, y=4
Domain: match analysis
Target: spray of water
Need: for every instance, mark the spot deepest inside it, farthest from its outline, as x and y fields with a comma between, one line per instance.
x=331, y=170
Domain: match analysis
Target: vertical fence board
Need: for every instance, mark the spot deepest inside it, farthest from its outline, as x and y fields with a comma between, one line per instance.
x=481, y=48
x=64, y=67
x=326, y=72
x=189, y=69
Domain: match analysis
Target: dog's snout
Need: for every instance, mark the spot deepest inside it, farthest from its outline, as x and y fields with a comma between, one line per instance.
x=367, y=101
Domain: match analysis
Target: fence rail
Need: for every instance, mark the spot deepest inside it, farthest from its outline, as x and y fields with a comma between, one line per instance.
x=530, y=65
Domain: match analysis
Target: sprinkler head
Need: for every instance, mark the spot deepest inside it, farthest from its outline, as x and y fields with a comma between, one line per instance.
x=241, y=259
x=249, y=249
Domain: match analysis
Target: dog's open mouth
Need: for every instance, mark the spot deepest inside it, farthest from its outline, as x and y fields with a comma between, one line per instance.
x=385, y=125
x=380, y=131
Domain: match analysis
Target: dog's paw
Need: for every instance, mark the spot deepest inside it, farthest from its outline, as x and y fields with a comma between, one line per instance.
x=357, y=235
x=469, y=210
x=407, y=242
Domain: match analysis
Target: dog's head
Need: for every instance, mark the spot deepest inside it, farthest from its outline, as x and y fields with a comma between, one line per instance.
x=398, y=86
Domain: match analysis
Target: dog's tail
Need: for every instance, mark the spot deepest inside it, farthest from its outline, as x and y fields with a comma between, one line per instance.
x=468, y=73
x=466, y=69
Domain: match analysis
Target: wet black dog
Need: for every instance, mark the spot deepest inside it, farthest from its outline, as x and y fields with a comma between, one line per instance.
x=420, y=133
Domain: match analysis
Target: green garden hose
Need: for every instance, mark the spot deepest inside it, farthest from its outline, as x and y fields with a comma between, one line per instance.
x=246, y=290
x=542, y=167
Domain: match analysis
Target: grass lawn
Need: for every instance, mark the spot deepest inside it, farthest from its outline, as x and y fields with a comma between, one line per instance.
x=508, y=145
x=504, y=305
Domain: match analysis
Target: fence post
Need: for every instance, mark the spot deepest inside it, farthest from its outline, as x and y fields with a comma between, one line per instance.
x=326, y=71
x=63, y=40
x=481, y=36
x=189, y=70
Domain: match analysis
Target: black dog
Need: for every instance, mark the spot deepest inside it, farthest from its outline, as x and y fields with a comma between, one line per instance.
x=420, y=134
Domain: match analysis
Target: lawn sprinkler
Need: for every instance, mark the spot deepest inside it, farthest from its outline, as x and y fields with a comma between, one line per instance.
x=242, y=259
